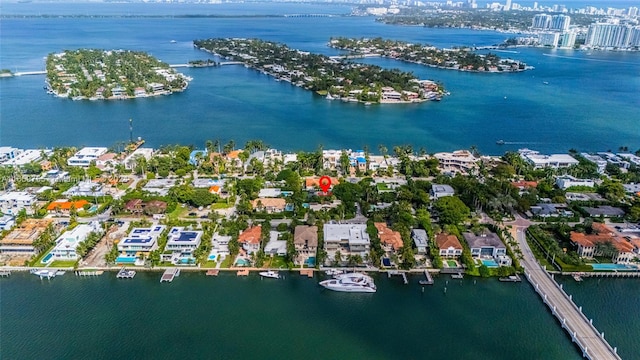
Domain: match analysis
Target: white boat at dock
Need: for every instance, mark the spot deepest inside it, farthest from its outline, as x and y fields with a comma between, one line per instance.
x=351, y=282
x=126, y=274
x=43, y=273
x=334, y=272
x=270, y=274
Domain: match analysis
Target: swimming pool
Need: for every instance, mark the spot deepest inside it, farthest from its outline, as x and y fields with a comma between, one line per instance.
x=613, y=267
x=125, y=259
x=47, y=259
x=311, y=261
x=93, y=208
x=489, y=263
x=242, y=262
x=212, y=257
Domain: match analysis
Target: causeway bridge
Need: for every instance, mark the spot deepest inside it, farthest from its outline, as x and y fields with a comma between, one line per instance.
x=582, y=332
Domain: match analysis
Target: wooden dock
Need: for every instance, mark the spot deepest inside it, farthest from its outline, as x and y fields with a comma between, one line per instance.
x=213, y=272
x=169, y=275
x=242, y=273
x=307, y=272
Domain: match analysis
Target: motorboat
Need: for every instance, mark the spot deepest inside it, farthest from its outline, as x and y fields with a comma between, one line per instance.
x=333, y=272
x=270, y=274
x=43, y=273
x=350, y=282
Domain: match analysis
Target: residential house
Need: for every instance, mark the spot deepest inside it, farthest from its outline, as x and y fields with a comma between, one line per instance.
x=132, y=159
x=485, y=245
x=67, y=243
x=86, y=155
x=545, y=210
x=449, y=245
x=20, y=240
x=250, y=239
x=182, y=243
x=390, y=240
x=275, y=246
x=7, y=222
x=220, y=246
x=349, y=239
x=65, y=206
x=604, y=211
x=305, y=240
x=438, y=191
x=461, y=161
x=588, y=244
x=85, y=188
x=269, y=205
x=420, y=240
x=567, y=181
x=541, y=161
x=139, y=243
x=312, y=183
x=13, y=202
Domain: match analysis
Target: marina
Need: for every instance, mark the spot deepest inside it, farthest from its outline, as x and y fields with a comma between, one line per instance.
x=169, y=275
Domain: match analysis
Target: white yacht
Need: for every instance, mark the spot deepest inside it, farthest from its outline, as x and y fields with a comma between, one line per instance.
x=270, y=274
x=333, y=272
x=43, y=273
x=351, y=282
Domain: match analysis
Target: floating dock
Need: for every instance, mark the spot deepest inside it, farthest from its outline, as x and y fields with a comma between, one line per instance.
x=307, y=272
x=126, y=274
x=169, y=275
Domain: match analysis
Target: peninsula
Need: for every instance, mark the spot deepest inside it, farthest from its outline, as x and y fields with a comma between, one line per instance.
x=461, y=59
x=333, y=77
x=110, y=74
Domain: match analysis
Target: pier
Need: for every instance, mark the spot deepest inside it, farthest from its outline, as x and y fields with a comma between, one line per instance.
x=307, y=272
x=89, y=272
x=5, y=273
x=582, y=332
x=428, y=278
x=169, y=275
x=398, y=273
x=126, y=274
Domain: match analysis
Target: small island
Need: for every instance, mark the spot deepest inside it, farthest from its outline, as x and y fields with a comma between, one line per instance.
x=460, y=59
x=333, y=77
x=110, y=74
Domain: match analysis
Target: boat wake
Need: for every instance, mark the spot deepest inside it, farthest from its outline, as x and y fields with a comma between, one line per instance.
x=587, y=59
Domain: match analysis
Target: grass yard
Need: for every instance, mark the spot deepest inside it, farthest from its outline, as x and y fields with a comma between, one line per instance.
x=209, y=264
x=63, y=264
x=227, y=262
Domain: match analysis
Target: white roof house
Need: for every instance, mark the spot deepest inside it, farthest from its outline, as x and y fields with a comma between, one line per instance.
x=220, y=244
x=27, y=156
x=269, y=193
x=567, y=181
x=459, y=160
x=130, y=161
x=85, y=188
x=348, y=238
x=141, y=239
x=8, y=152
x=441, y=190
x=275, y=246
x=420, y=239
x=541, y=161
x=14, y=201
x=67, y=243
x=86, y=155
x=180, y=239
x=7, y=222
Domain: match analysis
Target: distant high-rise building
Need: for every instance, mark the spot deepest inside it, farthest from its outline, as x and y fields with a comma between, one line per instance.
x=507, y=5
x=549, y=39
x=568, y=39
x=635, y=37
x=609, y=35
x=633, y=11
x=535, y=5
x=541, y=21
x=560, y=22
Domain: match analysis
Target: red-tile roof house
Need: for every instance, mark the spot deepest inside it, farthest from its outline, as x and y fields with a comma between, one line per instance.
x=65, y=206
x=250, y=239
x=389, y=239
x=587, y=243
x=449, y=245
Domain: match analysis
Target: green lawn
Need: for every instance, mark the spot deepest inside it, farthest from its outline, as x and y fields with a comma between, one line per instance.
x=63, y=264
x=227, y=262
x=452, y=263
x=178, y=212
x=209, y=264
x=382, y=187
x=223, y=205
x=275, y=262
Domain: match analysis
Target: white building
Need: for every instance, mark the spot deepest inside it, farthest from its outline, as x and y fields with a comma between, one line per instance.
x=26, y=157
x=67, y=243
x=85, y=156
x=600, y=162
x=549, y=38
x=610, y=35
x=568, y=39
x=220, y=246
x=7, y=222
x=269, y=193
x=8, y=153
x=140, y=241
x=131, y=160
x=567, y=181
x=182, y=243
x=541, y=161
x=275, y=246
x=560, y=22
x=541, y=21
x=420, y=239
x=14, y=201
x=349, y=239
x=85, y=188
x=457, y=161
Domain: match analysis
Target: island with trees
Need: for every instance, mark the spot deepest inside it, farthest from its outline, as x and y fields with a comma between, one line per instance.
x=333, y=77
x=110, y=74
x=461, y=59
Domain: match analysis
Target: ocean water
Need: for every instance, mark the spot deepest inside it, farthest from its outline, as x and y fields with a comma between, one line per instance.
x=227, y=317
x=590, y=103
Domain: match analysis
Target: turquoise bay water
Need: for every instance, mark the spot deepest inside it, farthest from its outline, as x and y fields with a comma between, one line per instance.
x=228, y=317
x=590, y=103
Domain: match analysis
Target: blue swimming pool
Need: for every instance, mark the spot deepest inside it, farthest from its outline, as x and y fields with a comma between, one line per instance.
x=47, y=258
x=212, y=257
x=613, y=267
x=243, y=262
x=489, y=263
x=311, y=261
x=125, y=260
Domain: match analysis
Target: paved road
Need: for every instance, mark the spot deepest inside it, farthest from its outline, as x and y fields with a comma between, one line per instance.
x=577, y=325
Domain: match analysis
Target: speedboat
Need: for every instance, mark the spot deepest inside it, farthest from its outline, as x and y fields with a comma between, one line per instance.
x=44, y=273
x=351, y=282
x=333, y=272
x=270, y=274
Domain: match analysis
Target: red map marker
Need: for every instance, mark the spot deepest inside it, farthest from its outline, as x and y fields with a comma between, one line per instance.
x=325, y=183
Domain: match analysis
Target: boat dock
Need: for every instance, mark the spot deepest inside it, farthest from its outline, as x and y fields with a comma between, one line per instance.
x=457, y=276
x=5, y=273
x=242, y=273
x=126, y=274
x=429, y=278
x=512, y=278
x=89, y=272
x=169, y=275
x=213, y=272
x=398, y=273
x=307, y=272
